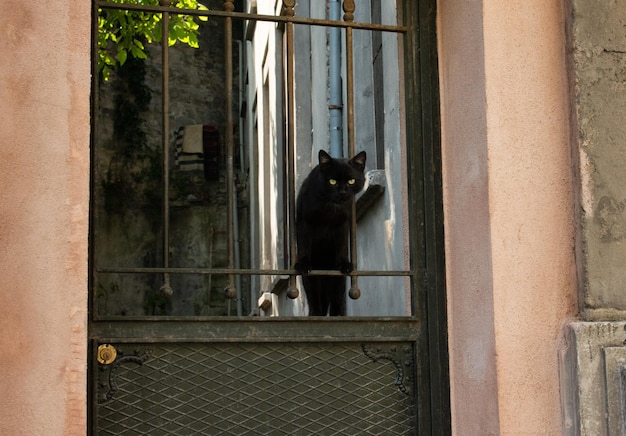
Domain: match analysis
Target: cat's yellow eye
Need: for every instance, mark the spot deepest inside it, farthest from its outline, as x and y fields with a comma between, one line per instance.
x=332, y=182
x=351, y=182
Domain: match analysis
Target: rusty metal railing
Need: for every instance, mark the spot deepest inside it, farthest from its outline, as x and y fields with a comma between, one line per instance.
x=348, y=8
x=231, y=291
x=288, y=5
x=253, y=17
x=166, y=289
x=289, y=19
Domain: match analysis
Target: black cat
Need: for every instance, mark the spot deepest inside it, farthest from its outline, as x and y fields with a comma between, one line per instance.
x=323, y=215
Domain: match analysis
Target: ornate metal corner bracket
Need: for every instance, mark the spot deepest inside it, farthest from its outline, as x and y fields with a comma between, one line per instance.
x=402, y=358
x=109, y=371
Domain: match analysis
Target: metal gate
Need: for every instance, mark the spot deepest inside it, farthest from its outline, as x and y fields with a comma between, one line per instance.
x=173, y=221
x=301, y=383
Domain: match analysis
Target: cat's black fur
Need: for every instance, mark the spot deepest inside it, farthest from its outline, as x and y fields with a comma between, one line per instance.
x=323, y=215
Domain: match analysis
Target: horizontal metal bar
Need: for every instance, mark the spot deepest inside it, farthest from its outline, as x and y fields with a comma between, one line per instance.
x=256, y=329
x=241, y=271
x=254, y=17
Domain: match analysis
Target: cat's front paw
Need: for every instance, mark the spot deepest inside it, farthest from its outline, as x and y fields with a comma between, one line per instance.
x=302, y=266
x=345, y=266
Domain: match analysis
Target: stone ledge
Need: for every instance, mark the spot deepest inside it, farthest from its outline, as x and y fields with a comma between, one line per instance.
x=591, y=389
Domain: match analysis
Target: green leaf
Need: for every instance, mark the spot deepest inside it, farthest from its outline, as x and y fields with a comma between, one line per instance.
x=138, y=53
x=121, y=56
x=124, y=32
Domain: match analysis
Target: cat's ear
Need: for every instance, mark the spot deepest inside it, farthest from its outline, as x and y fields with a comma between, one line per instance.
x=358, y=161
x=324, y=158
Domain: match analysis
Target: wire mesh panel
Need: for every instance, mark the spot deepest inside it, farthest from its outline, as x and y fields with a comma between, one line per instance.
x=258, y=389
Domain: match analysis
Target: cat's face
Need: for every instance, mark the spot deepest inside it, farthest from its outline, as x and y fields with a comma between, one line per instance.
x=342, y=178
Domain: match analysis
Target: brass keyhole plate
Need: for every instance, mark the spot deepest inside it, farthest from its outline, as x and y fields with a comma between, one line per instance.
x=106, y=354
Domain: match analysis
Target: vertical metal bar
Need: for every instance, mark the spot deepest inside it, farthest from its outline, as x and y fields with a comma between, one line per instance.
x=93, y=310
x=335, y=96
x=95, y=106
x=288, y=5
x=209, y=278
x=348, y=8
x=240, y=124
x=166, y=289
x=231, y=291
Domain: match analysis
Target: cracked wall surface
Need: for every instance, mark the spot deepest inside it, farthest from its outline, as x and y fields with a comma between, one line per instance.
x=594, y=355
x=598, y=38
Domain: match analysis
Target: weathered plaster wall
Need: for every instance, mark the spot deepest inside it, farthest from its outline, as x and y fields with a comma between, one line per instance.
x=599, y=79
x=509, y=211
x=127, y=156
x=468, y=241
x=531, y=205
x=44, y=154
x=592, y=360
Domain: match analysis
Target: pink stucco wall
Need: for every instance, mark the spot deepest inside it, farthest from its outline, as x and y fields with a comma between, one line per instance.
x=44, y=156
x=508, y=202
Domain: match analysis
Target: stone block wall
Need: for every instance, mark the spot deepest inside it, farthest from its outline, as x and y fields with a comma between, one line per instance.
x=594, y=355
x=598, y=78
